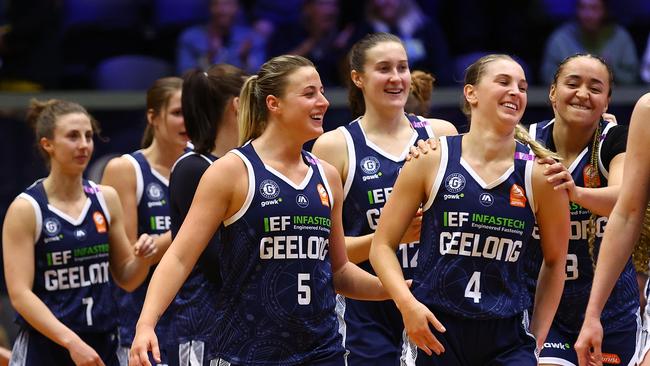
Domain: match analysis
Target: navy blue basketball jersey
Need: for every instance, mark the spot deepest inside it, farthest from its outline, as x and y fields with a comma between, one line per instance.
x=372, y=172
x=71, y=267
x=473, y=234
x=622, y=306
x=152, y=194
x=277, y=302
x=193, y=325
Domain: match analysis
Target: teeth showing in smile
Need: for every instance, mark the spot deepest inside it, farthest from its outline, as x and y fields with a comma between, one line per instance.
x=510, y=105
x=316, y=116
x=578, y=106
x=393, y=91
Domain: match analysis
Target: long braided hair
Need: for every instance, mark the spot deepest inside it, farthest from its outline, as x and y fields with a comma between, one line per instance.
x=593, y=181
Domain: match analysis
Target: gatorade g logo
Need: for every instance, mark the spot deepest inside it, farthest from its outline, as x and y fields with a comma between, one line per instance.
x=100, y=222
x=52, y=226
x=370, y=165
x=455, y=182
x=322, y=193
x=269, y=189
x=154, y=192
x=517, y=196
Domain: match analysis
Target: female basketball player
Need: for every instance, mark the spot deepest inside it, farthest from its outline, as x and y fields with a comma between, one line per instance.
x=281, y=253
x=62, y=239
x=591, y=171
x=368, y=154
x=141, y=179
x=209, y=103
x=481, y=194
x=621, y=232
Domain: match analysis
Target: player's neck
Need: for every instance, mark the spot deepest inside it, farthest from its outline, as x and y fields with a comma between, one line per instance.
x=383, y=121
x=63, y=187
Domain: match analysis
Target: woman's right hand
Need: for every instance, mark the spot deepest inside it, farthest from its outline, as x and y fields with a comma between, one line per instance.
x=83, y=355
x=423, y=147
x=417, y=317
x=145, y=340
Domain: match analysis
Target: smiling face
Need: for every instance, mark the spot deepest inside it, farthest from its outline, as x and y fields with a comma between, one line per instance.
x=385, y=79
x=302, y=106
x=500, y=93
x=71, y=145
x=580, y=94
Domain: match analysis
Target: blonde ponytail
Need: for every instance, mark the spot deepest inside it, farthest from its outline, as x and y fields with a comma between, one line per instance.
x=539, y=150
x=251, y=123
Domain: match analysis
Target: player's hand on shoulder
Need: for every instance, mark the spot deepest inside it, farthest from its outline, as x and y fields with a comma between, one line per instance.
x=422, y=147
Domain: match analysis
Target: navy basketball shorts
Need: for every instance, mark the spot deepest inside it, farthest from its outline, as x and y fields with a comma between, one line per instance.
x=338, y=359
x=31, y=348
x=618, y=348
x=373, y=332
x=470, y=342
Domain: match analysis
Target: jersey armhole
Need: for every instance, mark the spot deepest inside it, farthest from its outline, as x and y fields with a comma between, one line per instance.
x=251, y=190
x=101, y=200
x=528, y=182
x=38, y=215
x=352, y=162
x=442, y=168
x=324, y=178
x=139, y=185
x=600, y=151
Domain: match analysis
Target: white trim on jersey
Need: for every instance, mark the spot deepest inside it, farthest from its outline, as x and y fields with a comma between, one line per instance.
x=139, y=185
x=38, y=215
x=101, y=200
x=528, y=183
x=190, y=153
x=427, y=127
x=20, y=349
x=352, y=162
x=442, y=168
x=409, y=351
x=251, y=190
x=324, y=177
x=191, y=353
x=219, y=362
x=600, y=150
x=379, y=150
x=70, y=219
x=299, y=186
x=555, y=361
x=339, y=309
x=525, y=323
x=636, y=358
x=480, y=180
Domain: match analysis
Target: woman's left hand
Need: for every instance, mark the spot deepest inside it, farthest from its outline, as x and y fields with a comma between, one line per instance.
x=559, y=176
x=145, y=247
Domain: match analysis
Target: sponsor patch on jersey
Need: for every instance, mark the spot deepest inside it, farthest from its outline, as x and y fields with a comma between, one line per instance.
x=369, y=165
x=611, y=359
x=52, y=226
x=517, y=196
x=269, y=189
x=154, y=191
x=486, y=199
x=322, y=193
x=590, y=176
x=80, y=234
x=302, y=200
x=100, y=222
x=455, y=182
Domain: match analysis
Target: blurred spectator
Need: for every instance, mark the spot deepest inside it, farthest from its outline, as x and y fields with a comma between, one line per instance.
x=270, y=14
x=317, y=37
x=30, y=45
x=645, y=63
x=222, y=40
x=425, y=43
x=593, y=32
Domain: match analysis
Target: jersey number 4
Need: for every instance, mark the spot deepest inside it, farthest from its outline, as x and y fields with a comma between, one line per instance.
x=473, y=289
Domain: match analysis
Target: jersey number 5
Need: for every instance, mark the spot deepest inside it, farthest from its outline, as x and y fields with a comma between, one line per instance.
x=473, y=289
x=304, y=291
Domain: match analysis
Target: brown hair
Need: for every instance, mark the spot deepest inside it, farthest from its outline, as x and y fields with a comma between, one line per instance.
x=270, y=80
x=42, y=117
x=419, y=100
x=357, y=59
x=473, y=75
x=158, y=96
x=204, y=99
